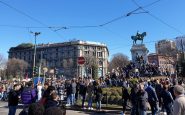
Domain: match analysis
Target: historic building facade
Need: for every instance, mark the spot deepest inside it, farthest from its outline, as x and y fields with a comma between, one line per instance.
x=161, y=45
x=165, y=63
x=64, y=57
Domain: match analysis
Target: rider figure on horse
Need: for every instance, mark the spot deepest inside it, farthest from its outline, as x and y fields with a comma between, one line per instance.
x=138, y=36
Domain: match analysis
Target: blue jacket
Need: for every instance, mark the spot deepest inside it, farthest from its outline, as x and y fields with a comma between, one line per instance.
x=152, y=96
x=167, y=97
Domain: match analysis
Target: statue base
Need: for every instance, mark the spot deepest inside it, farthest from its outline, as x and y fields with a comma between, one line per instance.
x=138, y=51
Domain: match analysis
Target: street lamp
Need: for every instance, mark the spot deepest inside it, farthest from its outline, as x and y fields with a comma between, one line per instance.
x=34, y=55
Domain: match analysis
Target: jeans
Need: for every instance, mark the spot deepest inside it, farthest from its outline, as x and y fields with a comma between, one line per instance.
x=83, y=100
x=141, y=112
x=154, y=107
x=72, y=99
x=134, y=110
x=69, y=99
x=98, y=105
x=12, y=110
x=90, y=102
x=168, y=108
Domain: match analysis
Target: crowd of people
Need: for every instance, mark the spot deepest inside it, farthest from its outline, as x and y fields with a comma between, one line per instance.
x=36, y=100
x=161, y=95
x=165, y=94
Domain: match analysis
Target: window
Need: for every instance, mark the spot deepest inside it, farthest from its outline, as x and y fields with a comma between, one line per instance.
x=93, y=47
x=99, y=54
x=100, y=62
x=86, y=47
x=75, y=54
x=94, y=53
x=86, y=52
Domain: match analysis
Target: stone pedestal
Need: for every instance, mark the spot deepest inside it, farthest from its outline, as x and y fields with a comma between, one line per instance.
x=139, y=50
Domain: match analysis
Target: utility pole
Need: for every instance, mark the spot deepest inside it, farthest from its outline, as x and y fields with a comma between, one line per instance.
x=40, y=66
x=34, y=55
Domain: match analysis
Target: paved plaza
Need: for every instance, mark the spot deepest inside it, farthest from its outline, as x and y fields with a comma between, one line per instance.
x=4, y=111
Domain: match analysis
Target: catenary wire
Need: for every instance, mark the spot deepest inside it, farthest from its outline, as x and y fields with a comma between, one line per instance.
x=157, y=18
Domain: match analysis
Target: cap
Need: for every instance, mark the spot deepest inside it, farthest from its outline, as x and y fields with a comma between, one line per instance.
x=178, y=89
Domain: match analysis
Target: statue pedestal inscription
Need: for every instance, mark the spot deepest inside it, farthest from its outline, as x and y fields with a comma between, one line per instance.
x=139, y=53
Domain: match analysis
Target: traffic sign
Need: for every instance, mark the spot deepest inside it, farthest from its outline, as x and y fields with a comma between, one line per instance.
x=81, y=60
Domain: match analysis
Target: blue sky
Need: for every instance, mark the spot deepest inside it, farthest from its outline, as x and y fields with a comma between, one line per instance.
x=66, y=13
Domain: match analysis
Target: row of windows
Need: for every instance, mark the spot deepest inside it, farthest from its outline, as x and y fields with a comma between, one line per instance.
x=93, y=47
x=165, y=62
x=164, y=66
x=98, y=54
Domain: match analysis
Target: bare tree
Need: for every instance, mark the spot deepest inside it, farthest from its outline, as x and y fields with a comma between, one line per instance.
x=2, y=62
x=118, y=60
x=90, y=64
x=16, y=67
x=180, y=43
x=2, y=66
x=168, y=51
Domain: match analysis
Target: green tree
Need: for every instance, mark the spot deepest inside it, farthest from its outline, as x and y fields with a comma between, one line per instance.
x=25, y=45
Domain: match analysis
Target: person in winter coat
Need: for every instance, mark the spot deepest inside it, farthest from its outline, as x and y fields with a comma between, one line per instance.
x=133, y=98
x=13, y=99
x=68, y=92
x=179, y=103
x=99, y=96
x=90, y=94
x=53, y=102
x=73, y=91
x=142, y=99
x=82, y=92
x=152, y=98
x=125, y=97
x=77, y=89
x=28, y=94
x=167, y=100
x=47, y=94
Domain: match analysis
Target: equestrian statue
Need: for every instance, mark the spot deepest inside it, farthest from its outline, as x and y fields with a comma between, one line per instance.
x=138, y=36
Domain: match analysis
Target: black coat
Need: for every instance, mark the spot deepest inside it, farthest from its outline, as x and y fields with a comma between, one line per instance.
x=133, y=96
x=125, y=94
x=68, y=89
x=13, y=98
x=98, y=93
x=83, y=89
x=51, y=103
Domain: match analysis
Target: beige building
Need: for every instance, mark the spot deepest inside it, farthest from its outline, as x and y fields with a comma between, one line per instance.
x=163, y=46
x=64, y=57
x=165, y=63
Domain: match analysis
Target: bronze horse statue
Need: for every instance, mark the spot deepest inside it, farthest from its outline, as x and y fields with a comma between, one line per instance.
x=138, y=37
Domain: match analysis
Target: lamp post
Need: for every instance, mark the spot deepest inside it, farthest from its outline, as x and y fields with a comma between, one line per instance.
x=34, y=55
